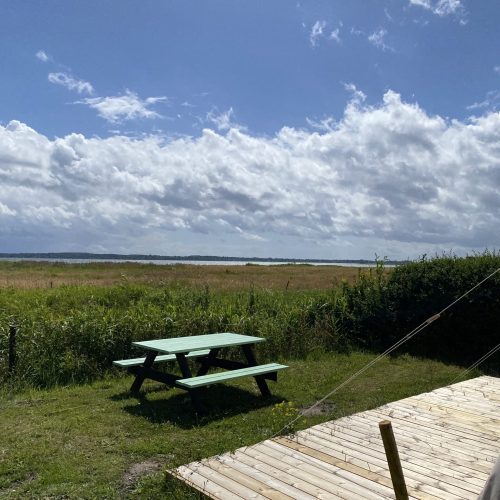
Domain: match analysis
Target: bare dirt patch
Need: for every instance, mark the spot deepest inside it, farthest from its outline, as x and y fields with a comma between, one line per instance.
x=324, y=408
x=139, y=470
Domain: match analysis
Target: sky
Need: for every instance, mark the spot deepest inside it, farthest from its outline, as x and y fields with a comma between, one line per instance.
x=295, y=129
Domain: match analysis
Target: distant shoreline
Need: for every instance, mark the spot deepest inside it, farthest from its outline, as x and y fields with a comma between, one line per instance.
x=189, y=258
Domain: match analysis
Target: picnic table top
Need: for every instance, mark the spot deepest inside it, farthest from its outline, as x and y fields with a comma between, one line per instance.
x=197, y=342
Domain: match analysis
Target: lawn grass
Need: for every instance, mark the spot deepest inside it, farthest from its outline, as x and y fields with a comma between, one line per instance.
x=96, y=441
x=217, y=277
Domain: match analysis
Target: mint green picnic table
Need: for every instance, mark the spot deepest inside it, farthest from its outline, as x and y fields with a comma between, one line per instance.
x=205, y=349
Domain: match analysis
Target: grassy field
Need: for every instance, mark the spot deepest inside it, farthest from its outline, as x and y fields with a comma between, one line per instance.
x=27, y=275
x=70, y=428
x=96, y=441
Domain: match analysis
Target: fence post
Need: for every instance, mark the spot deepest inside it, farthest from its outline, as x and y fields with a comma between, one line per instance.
x=391, y=452
x=12, y=348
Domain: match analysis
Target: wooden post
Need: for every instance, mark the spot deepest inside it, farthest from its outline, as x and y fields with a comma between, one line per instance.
x=391, y=452
x=12, y=348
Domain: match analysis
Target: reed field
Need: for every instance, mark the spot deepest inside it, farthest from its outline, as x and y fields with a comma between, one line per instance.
x=26, y=275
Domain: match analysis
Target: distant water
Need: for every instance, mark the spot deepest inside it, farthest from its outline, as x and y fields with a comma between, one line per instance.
x=193, y=262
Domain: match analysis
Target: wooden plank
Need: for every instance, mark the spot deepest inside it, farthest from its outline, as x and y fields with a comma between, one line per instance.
x=412, y=471
x=215, y=378
x=382, y=490
x=419, y=426
x=246, y=476
x=125, y=363
x=306, y=489
x=468, y=393
x=361, y=471
x=373, y=463
x=419, y=453
x=492, y=383
x=433, y=466
x=458, y=420
x=418, y=440
x=225, y=481
x=460, y=405
x=178, y=345
x=436, y=421
x=446, y=418
x=271, y=483
x=201, y=483
x=324, y=477
x=446, y=449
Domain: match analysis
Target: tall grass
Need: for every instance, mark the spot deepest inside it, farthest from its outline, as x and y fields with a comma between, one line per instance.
x=72, y=334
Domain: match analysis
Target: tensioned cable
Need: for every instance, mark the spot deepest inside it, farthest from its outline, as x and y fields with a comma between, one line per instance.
x=401, y=341
x=477, y=363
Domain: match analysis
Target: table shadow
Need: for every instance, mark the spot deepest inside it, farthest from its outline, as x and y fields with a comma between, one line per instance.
x=218, y=402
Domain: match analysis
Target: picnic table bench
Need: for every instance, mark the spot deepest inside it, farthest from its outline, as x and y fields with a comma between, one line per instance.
x=205, y=349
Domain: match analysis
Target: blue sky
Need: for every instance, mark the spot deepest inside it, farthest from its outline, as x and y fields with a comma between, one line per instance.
x=269, y=128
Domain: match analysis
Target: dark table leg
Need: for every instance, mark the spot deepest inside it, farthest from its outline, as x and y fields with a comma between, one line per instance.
x=261, y=382
x=143, y=371
x=186, y=373
x=207, y=362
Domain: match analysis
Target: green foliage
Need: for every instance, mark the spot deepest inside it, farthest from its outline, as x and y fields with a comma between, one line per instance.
x=286, y=417
x=73, y=333
x=381, y=309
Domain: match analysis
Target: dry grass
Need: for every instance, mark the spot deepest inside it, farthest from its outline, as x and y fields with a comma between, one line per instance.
x=217, y=277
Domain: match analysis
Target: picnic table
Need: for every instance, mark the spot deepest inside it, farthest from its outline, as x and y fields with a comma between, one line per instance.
x=205, y=349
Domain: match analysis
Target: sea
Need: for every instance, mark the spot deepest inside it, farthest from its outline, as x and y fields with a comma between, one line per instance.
x=192, y=262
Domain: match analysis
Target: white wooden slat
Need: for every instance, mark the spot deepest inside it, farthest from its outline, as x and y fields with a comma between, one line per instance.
x=411, y=471
x=437, y=432
x=420, y=442
x=382, y=490
x=225, y=481
x=304, y=489
x=325, y=477
x=381, y=477
x=201, y=483
x=408, y=454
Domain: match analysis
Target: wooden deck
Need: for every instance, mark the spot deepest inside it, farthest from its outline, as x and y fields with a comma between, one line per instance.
x=448, y=441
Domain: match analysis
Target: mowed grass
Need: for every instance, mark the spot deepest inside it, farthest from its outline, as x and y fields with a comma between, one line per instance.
x=96, y=441
x=27, y=275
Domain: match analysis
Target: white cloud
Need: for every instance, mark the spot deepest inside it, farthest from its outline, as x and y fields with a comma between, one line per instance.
x=357, y=96
x=442, y=8
x=128, y=106
x=71, y=83
x=496, y=69
x=42, y=56
x=377, y=38
x=491, y=102
x=335, y=35
x=223, y=121
x=316, y=32
x=389, y=179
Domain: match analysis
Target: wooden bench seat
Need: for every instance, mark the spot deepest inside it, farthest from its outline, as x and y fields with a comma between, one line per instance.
x=215, y=378
x=126, y=363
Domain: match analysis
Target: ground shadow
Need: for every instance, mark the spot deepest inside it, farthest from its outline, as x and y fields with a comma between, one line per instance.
x=217, y=400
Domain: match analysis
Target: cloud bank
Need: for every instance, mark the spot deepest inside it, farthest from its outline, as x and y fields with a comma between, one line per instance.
x=390, y=174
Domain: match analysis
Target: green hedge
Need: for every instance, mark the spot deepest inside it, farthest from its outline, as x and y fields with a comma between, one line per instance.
x=72, y=334
x=380, y=310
